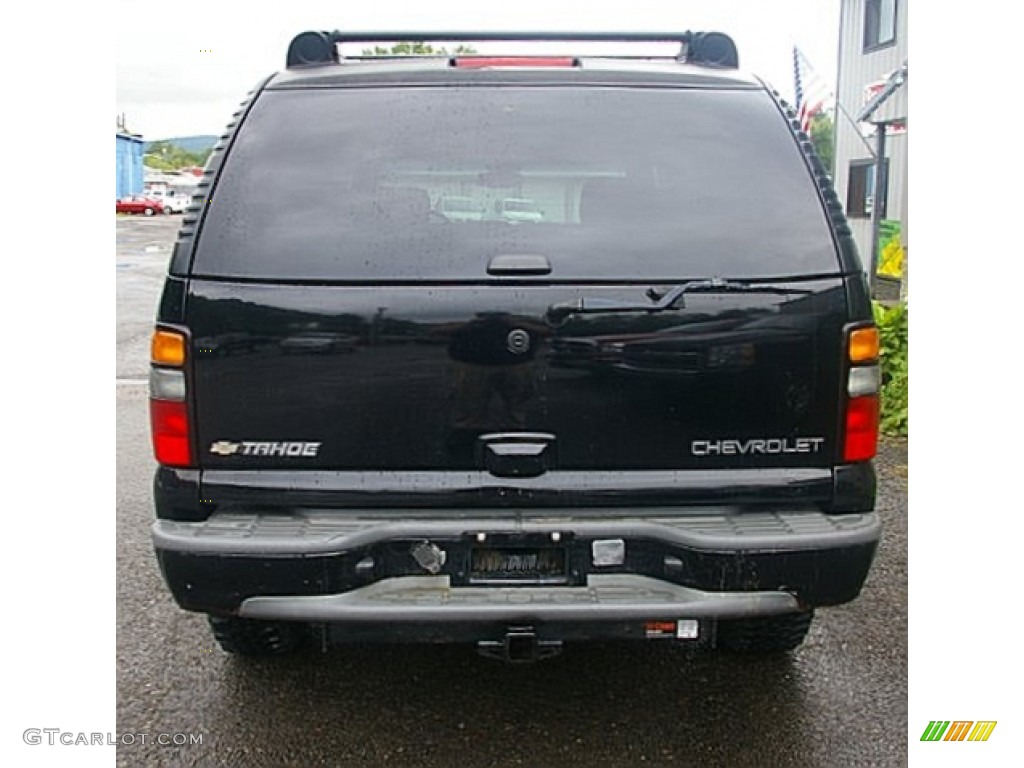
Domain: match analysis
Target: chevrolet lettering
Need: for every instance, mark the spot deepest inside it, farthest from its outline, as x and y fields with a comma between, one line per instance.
x=526, y=350
x=773, y=445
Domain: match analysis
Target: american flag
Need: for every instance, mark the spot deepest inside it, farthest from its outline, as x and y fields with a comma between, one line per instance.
x=812, y=94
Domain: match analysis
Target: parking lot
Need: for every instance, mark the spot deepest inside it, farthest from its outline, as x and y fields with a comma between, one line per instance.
x=841, y=699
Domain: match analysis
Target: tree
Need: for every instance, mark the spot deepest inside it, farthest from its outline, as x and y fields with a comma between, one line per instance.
x=823, y=138
x=166, y=156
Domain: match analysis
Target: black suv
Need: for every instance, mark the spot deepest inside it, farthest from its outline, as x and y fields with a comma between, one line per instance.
x=626, y=388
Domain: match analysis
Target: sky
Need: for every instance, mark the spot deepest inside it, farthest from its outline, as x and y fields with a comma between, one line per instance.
x=183, y=68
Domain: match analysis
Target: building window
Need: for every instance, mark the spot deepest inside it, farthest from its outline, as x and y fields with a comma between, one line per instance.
x=879, y=23
x=860, y=188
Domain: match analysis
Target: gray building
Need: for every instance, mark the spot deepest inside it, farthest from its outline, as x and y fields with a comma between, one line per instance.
x=872, y=97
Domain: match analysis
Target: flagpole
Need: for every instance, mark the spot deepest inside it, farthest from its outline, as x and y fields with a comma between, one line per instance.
x=856, y=127
x=797, y=57
x=878, y=203
x=797, y=89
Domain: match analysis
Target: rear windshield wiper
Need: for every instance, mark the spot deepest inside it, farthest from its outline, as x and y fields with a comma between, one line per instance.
x=670, y=299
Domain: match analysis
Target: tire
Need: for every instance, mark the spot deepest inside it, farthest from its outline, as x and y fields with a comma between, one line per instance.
x=772, y=634
x=248, y=637
x=149, y=211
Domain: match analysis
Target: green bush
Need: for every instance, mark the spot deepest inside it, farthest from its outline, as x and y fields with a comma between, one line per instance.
x=892, y=328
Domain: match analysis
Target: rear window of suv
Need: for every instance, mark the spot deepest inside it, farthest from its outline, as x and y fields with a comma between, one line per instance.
x=358, y=185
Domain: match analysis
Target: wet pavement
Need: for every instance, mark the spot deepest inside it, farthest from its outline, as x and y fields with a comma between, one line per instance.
x=840, y=699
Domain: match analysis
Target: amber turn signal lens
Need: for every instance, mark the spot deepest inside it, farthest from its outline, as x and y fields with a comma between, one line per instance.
x=863, y=345
x=168, y=348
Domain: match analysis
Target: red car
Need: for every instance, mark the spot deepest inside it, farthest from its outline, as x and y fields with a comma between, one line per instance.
x=139, y=204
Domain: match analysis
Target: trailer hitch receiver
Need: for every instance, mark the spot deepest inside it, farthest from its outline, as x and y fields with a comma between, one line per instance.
x=520, y=645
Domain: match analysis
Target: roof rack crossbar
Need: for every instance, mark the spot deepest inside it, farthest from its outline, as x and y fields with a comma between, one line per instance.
x=710, y=48
x=424, y=37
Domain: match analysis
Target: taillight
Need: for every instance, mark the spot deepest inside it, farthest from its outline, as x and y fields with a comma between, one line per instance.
x=171, y=438
x=168, y=406
x=863, y=384
x=861, y=428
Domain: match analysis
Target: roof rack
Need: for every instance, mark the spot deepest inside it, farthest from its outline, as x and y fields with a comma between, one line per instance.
x=708, y=48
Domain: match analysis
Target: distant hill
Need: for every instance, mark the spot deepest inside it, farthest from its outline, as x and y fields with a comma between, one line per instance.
x=198, y=144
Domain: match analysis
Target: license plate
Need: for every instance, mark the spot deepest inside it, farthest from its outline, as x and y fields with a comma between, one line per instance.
x=518, y=564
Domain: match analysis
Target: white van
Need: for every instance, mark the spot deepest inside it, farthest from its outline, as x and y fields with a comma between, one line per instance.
x=174, y=202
